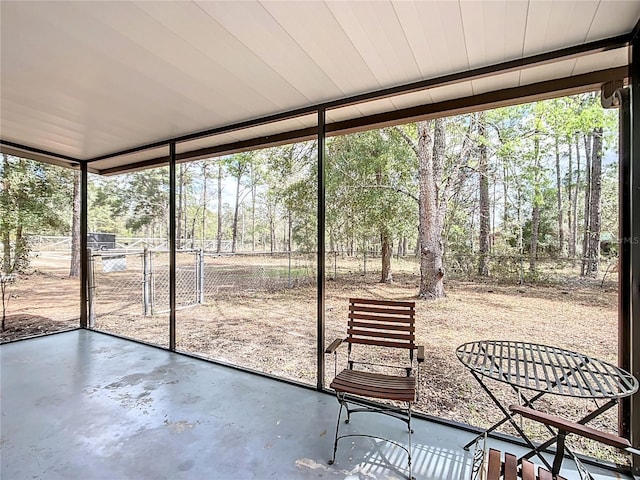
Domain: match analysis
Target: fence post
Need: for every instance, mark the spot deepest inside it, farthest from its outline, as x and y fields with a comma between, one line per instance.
x=365, y=261
x=200, y=273
x=146, y=288
x=91, y=287
x=152, y=283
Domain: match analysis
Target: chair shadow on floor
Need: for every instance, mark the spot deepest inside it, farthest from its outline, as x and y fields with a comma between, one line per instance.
x=383, y=459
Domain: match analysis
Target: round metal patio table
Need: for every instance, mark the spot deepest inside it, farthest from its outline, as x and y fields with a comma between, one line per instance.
x=546, y=370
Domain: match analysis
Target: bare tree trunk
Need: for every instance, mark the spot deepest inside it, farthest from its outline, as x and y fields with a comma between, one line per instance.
x=584, y=270
x=234, y=232
x=272, y=233
x=594, y=209
x=571, y=246
x=559, y=197
x=74, y=269
x=485, y=221
x=6, y=245
x=430, y=164
x=6, y=235
x=574, y=234
x=535, y=214
x=520, y=239
x=253, y=217
x=20, y=255
x=387, y=245
x=204, y=205
x=505, y=192
x=178, y=232
x=219, y=232
x=290, y=231
x=185, y=212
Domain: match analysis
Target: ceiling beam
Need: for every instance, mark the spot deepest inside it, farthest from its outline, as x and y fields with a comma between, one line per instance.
x=219, y=150
x=475, y=103
x=17, y=150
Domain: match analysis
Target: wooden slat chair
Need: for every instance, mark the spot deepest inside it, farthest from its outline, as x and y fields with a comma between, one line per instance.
x=565, y=427
x=510, y=469
x=386, y=324
x=488, y=465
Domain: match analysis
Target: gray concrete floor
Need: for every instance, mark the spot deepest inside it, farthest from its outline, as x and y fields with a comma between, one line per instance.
x=85, y=405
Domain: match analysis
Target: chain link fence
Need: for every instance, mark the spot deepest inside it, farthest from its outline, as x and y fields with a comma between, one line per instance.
x=137, y=283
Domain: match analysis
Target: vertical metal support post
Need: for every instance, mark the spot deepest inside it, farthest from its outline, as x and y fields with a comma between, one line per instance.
x=634, y=240
x=321, y=247
x=91, y=289
x=624, y=267
x=84, y=284
x=172, y=246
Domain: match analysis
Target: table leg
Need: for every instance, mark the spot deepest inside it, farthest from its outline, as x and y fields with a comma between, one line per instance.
x=508, y=417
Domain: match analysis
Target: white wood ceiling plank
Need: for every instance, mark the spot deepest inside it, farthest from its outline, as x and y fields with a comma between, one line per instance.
x=412, y=99
x=256, y=28
x=423, y=54
x=374, y=30
x=600, y=61
x=95, y=82
x=269, y=129
x=158, y=48
x=551, y=71
x=377, y=106
x=494, y=31
x=315, y=29
x=613, y=18
x=497, y=82
x=343, y=113
x=87, y=78
x=199, y=32
x=450, y=92
x=435, y=33
x=60, y=110
x=553, y=25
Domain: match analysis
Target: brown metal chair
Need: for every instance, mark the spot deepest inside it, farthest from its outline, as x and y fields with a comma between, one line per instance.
x=379, y=323
x=488, y=465
x=563, y=428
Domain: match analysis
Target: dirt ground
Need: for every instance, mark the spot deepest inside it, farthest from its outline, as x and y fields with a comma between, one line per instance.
x=274, y=332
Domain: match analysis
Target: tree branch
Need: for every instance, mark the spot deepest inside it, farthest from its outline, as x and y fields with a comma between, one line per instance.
x=407, y=138
x=386, y=187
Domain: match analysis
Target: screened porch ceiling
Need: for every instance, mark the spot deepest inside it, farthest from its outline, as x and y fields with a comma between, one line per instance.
x=86, y=81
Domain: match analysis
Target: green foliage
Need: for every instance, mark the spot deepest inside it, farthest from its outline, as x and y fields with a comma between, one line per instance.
x=137, y=203
x=35, y=199
x=371, y=188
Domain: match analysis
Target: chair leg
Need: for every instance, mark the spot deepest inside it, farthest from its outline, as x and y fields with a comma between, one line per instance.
x=411, y=477
x=557, y=460
x=335, y=442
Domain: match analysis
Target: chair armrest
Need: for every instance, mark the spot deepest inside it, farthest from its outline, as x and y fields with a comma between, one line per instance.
x=572, y=427
x=334, y=345
x=420, y=356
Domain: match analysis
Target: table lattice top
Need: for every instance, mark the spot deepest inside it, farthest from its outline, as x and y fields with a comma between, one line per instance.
x=546, y=369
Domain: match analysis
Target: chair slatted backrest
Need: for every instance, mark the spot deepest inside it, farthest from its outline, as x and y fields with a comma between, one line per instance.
x=381, y=322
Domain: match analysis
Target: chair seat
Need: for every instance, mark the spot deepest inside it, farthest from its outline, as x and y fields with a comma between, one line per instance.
x=375, y=385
